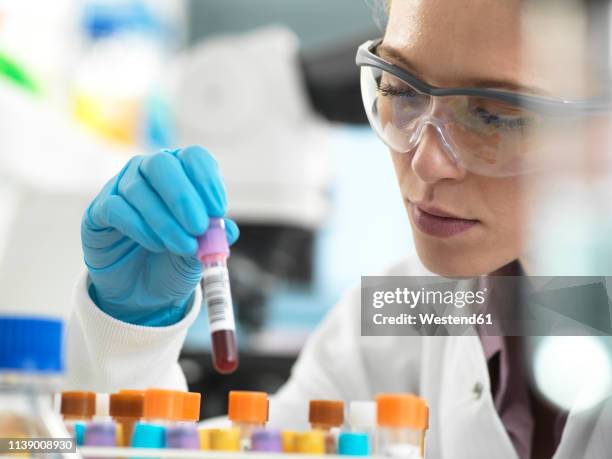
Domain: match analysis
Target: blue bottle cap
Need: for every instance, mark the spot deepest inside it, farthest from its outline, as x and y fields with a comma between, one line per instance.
x=31, y=344
x=353, y=444
x=148, y=436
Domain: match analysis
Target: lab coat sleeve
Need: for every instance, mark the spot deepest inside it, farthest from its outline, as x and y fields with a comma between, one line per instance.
x=105, y=354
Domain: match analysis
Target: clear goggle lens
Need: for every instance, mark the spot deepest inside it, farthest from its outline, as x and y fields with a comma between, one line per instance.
x=483, y=135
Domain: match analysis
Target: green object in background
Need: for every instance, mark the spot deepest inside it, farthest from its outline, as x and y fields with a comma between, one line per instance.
x=12, y=71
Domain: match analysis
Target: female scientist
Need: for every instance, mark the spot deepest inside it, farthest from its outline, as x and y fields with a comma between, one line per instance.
x=459, y=162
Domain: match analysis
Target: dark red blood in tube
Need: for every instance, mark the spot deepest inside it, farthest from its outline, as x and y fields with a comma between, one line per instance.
x=224, y=351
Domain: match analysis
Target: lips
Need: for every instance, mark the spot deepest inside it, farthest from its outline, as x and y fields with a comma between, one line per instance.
x=439, y=223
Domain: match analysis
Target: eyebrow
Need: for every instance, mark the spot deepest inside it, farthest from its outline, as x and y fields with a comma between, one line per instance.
x=396, y=57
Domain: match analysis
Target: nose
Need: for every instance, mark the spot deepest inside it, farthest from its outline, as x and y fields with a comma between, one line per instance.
x=432, y=161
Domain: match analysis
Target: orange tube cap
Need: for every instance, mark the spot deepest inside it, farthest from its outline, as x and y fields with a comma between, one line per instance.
x=247, y=406
x=402, y=410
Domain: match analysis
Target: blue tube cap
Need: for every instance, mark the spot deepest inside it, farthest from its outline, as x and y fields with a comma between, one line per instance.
x=353, y=444
x=77, y=431
x=148, y=436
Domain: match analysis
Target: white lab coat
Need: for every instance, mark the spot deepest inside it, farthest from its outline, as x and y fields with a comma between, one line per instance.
x=105, y=354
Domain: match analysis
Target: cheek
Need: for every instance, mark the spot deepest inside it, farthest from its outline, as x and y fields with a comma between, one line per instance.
x=506, y=204
x=401, y=164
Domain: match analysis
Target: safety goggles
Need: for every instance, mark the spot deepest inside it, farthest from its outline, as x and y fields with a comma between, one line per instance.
x=486, y=131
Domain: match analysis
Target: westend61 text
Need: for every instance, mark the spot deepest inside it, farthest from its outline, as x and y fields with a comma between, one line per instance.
x=432, y=319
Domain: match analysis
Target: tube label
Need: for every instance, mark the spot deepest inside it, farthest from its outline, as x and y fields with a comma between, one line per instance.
x=218, y=299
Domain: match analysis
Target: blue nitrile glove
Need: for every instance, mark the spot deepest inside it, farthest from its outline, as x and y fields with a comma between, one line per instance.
x=139, y=234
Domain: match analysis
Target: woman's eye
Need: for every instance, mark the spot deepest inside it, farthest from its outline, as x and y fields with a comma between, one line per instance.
x=500, y=121
x=389, y=90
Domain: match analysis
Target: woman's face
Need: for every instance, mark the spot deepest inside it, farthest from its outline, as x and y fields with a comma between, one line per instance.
x=459, y=43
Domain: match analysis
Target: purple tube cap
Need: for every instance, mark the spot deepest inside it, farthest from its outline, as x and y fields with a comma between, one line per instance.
x=182, y=437
x=100, y=434
x=214, y=240
x=266, y=440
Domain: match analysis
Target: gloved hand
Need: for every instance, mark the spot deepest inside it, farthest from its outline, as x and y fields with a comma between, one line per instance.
x=139, y=234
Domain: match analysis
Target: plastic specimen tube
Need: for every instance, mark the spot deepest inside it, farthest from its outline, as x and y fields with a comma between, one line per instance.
x=77, y=408
x=248, y=411
x=402, y=420
x=362, y=418
x=126, y=409
x=165, y=409
x=327, y=416
x=213, y=251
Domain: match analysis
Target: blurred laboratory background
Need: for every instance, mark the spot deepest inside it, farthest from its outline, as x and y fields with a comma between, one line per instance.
x=269, y=87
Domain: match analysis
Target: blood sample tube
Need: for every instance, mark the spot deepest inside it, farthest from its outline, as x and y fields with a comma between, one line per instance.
x=213, y=251
x=248, y=411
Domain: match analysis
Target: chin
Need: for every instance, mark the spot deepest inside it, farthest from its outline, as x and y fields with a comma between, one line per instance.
x=456, y=262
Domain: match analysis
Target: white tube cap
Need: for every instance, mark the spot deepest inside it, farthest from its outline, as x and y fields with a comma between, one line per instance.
x=362, y=415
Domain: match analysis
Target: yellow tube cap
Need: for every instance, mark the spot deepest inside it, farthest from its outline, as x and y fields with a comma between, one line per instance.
x=204, y=436
x=312, y=442
x=288, y=441
x=225, y=439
